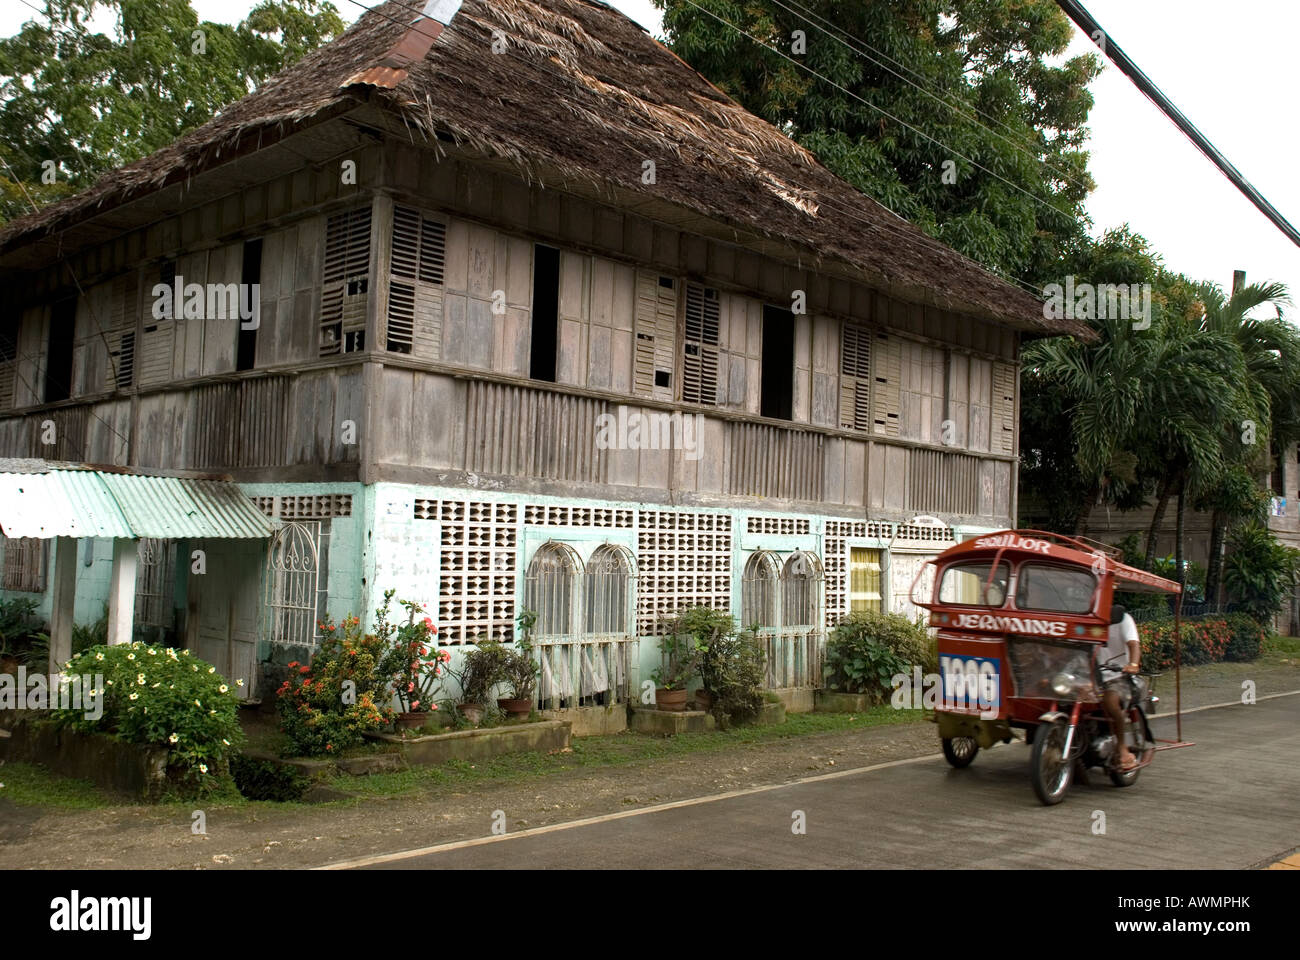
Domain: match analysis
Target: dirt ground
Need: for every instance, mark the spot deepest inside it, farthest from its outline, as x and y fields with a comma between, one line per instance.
x=295, y=836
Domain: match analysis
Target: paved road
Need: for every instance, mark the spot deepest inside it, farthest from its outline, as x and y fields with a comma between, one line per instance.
x=1230, y=801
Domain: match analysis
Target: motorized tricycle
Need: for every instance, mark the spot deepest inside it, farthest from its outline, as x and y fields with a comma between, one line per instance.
x=1022, y=618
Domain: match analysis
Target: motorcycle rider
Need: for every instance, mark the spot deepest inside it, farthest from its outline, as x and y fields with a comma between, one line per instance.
x=1118, y=659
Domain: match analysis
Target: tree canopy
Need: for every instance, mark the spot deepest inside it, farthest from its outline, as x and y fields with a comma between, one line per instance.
x=77, y=103
x=956, y=114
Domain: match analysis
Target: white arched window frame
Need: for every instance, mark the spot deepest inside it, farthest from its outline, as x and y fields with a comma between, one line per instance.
x=608, y=591
x=551, y=589
x=760, y=591
x=801, y=581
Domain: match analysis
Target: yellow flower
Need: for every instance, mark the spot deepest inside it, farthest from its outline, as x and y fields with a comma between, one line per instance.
x=203, y=768
x=173, y=738
x=239, y=683
x=135, y=696
x=130, y=656
x=197, y=704
x=212, y=669
x=223, y=688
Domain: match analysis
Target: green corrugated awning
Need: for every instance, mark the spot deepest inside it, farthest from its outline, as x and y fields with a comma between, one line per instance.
x=95, y=503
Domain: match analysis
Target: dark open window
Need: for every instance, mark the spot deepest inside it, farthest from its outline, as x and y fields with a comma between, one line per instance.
x=778, y=364
x=546, y=309
x=58, y=352
x=246, y=354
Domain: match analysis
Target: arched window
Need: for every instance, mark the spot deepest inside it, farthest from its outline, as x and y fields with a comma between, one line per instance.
x=758, y=594
x=550, y=587
x=607, y=588
x=800, y=586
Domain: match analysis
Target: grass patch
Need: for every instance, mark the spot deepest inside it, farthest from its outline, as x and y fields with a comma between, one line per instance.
x=1283, y=647
x=613, y=750
x=31, y=785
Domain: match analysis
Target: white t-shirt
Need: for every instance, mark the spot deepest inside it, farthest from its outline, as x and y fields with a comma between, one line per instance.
x=1114, y=655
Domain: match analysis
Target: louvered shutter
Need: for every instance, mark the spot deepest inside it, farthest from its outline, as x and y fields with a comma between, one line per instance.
x=855, y=377
x=119, y=371
x=886, y=370
x=415, y=286
x=700, y=346
x=656, y=334
x=345, y=282
x=1004, y=408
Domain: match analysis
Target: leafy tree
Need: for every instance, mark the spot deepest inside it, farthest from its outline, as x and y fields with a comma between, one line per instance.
x=87, y=102
x=973, y=82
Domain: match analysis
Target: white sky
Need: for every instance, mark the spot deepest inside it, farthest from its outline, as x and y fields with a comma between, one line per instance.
x=1231, y=73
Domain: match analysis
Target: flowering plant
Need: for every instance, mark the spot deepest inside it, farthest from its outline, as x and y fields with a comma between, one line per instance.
x=412, y=662
x=163, y=696
x=326, y=706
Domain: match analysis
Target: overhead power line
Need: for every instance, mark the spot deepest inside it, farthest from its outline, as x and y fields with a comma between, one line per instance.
x=1113, y=52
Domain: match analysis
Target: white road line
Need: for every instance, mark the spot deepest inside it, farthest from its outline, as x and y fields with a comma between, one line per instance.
x=678, y=804
x=622, y=814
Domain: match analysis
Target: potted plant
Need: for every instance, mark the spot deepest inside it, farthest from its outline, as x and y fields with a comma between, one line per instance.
x=412, y=662
x=520, y=670
x=680, y=656
x=482, y=668
x=710, y=628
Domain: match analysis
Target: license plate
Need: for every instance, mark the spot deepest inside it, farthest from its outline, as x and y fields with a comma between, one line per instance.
x=970, y=684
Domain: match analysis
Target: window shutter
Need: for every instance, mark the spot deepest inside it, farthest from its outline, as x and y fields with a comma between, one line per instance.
x=855, y=377
x=656, y=334
x=886, y=367
x=345, y=282
x=159, y=336
x=1004, y=408
x=415, y=287
x=119, y=371
x=700, y=346
x=8, y=361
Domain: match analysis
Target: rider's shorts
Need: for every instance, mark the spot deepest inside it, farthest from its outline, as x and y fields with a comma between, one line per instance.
x=1122, y=685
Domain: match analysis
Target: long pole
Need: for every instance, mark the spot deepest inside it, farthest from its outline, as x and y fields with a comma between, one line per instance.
x=1085, y=21
x=1178, y=666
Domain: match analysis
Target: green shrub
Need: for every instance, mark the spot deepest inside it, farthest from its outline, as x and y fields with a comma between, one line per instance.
x=1203, y=640
x=1260, y=572
x=866, y=650
x=19, y=625
x=259, y=779
x=164, y=697
x=1248, y=637
x=327, y=706
x=736, y=668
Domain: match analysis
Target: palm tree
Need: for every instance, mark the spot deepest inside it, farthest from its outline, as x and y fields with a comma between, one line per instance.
x=1270, y=350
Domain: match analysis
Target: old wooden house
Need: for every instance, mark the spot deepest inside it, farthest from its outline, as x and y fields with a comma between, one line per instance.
x=543, y=321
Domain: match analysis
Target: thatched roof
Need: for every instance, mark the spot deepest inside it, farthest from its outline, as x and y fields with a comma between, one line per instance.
x=584, y=91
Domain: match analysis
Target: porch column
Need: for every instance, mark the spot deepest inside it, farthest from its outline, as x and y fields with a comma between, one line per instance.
x=121, y=590
x=63, y=590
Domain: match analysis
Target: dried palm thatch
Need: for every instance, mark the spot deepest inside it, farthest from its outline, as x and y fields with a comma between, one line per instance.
x=583, y=91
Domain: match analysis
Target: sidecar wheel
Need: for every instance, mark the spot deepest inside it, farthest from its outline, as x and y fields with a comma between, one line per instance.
x=960, y=751
x=1050, y=772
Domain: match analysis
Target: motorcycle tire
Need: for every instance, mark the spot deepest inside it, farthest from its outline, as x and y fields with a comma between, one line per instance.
x=960, y=751
x=1049, y=772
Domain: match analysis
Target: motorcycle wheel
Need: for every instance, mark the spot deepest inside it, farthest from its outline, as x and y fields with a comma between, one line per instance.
x=960, y=751
x=1050, y=772
x=1138, y=744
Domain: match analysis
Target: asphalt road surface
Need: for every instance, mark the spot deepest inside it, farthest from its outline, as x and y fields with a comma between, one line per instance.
x=1231, y=801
